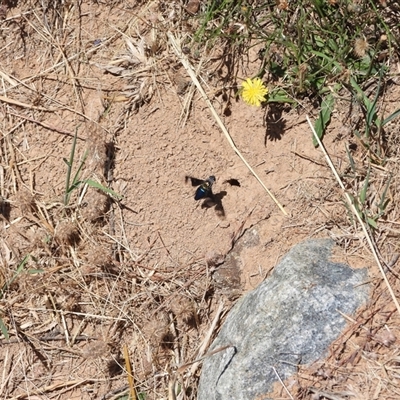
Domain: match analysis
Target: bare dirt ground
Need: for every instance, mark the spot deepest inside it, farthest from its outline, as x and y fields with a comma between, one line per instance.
x=112, y=282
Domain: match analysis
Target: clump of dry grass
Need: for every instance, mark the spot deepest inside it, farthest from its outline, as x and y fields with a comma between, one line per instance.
x=183, y=309
x=97, y=349
x=67, y=233
x=26, y=201
x=157, y=329
x=95, y=205
x=99, y=256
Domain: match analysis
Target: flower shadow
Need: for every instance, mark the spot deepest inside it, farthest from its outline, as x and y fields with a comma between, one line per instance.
x=274, y=122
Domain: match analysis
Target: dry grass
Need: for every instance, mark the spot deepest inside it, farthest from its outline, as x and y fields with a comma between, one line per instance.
x=84, y=292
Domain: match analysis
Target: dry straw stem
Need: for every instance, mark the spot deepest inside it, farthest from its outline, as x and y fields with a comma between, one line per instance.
x=69, y=385
x=24, y=105
x=353, y=209
x=208, y=337
x=190, y=70
x=47, y=126
x=129, y=373
x=283, y=385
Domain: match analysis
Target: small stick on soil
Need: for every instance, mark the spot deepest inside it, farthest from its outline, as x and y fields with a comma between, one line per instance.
x=284, y=386
x=24, y=105
x=129, y=373
x=50, y=127
x=207, y=339
x=305, y=157
x=68, y=386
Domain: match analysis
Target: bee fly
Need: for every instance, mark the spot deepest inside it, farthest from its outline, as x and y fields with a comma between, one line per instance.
x=204, y=189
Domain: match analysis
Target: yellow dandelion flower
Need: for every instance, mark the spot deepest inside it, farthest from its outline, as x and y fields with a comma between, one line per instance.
x=253, y=91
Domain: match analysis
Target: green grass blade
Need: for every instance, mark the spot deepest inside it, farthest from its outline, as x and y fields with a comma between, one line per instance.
x=372, y=222
x=372, y=115
x=362, y=98
x=69, y=169
x=324, y=116
x=104, y=189
x=20, y=268
x=35, y=271
x=384, y=202
x=4, y=330
x=76, y=182
x=391, y=117
x=351, y=160
x=73, y=187
x=363, y=193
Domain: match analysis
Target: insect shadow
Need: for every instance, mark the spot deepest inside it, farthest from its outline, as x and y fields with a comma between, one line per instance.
x=204, y=191
x=216, y=202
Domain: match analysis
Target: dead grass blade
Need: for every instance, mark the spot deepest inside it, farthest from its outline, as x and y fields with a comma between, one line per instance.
x=208, y=337
x=129, y=373
x=24, y=105
x=50, y=388
x=190, y=70
x=217, y=350
x=282, y=383
x=47, y=126
x=354, y=211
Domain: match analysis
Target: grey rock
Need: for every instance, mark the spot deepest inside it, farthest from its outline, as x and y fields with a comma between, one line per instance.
x=288, y=320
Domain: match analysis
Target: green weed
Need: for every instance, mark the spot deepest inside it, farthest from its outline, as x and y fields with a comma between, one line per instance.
x=76, y=182
x=374, y=124
x=70, y=186
x=364, y=202
x=310, y=48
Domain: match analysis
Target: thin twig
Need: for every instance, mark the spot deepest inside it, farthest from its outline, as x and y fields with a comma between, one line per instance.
x=284, y=386
x=129, y=373
x=207, y=339
x=24, y=105
x=47, y=126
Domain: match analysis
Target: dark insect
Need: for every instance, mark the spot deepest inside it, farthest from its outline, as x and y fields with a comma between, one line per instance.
x=204, y=189
x=232, y=182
